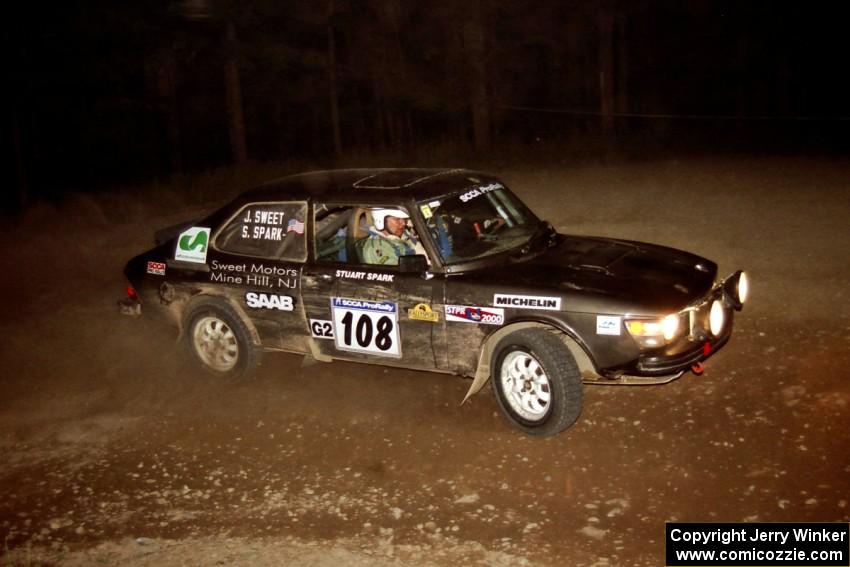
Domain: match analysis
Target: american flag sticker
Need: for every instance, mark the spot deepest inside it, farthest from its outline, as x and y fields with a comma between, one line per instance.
x=295, y=226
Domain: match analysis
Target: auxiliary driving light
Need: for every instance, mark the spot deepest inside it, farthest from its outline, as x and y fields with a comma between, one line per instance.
x=716, y=318
x=743, y=287
x=736, y=289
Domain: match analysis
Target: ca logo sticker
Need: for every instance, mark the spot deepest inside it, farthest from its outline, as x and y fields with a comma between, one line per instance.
x=199, y=243
x=192, y=245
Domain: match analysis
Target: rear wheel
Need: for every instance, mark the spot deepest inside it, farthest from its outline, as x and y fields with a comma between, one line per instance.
x=536, y=382
x=219, y=340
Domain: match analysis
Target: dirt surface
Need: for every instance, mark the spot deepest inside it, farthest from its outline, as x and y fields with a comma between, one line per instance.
x=115, y=451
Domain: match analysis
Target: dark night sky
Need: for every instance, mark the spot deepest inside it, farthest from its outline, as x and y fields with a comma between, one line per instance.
x=105, y=93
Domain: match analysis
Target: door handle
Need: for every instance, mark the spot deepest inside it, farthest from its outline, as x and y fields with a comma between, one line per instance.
x=323, y=277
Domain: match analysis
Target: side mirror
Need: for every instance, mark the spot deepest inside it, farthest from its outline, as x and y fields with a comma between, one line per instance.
x=415, y=264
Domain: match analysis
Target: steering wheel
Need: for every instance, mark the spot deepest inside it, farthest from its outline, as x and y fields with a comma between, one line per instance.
x=491, y=228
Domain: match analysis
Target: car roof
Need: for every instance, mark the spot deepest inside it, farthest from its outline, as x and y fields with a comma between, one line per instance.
x=368, y=185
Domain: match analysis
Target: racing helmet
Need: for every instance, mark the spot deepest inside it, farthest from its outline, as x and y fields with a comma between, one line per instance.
x=378, y=216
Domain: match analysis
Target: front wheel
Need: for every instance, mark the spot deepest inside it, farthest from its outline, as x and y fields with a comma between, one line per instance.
x=219, y=340
x=536, y=382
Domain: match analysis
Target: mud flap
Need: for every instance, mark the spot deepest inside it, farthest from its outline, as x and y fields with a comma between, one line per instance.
x=482, y=374
x=129, y=306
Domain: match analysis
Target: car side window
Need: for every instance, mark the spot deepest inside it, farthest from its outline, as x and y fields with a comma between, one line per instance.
x=338, y=229
x=348, y=234
x=266, y=230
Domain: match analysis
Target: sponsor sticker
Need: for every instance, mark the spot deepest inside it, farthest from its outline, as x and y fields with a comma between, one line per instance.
x=527, y=302
x=478, y=191
x=423, y=312
x=254, y=275
x=156, y=268
x=366, y=276
x=473, y=314
x=321, y=329
x=263, y=225
x=370, y=327
x=260, y=300
x=608, y=325
x=264, y=217
x=192, y=245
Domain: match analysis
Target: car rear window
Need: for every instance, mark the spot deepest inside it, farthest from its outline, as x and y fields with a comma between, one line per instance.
x=266, y=230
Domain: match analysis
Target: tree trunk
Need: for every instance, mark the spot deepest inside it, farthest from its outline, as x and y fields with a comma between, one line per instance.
x=167, y=92
x=380, y=126
x=332, y=87
x=389, y=120
x=621, y=90
x=20, y=166
x=477, y=64
x=238, y=144
x=606, y=71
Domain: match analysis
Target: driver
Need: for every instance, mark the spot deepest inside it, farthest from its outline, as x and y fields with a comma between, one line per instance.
x=389, y=238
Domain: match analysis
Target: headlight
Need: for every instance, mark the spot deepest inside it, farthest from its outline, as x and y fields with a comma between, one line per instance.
x=669, y=326
x=716, y=318
x=743, y=287
x=653, y=332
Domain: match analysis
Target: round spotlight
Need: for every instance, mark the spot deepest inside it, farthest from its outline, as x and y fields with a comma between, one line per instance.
x=716, y=318
x=743, y=288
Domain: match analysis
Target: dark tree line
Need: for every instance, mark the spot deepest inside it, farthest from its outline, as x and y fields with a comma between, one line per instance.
x=106, y=92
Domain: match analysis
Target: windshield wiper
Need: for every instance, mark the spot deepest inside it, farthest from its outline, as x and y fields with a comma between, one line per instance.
x=544, y=232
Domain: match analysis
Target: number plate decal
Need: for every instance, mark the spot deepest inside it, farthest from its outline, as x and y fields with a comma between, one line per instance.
x=364, y=326
x=321, y=329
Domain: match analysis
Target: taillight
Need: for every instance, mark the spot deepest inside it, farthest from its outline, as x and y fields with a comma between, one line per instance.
x=131, y=293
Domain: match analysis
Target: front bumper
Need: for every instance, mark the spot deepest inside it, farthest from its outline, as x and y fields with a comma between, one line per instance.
x=696, y=344
x=671, y=363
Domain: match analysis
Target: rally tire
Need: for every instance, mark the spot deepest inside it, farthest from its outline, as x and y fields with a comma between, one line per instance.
x=219, y=341
x=536, y=382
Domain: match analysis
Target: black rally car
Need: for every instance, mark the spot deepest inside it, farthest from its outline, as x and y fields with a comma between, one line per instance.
x=497, y=293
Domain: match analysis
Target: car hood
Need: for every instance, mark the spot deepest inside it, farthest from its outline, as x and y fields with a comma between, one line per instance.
x=608, y=275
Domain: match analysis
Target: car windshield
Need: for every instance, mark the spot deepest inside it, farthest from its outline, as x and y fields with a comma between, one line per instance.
x=477, y=222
